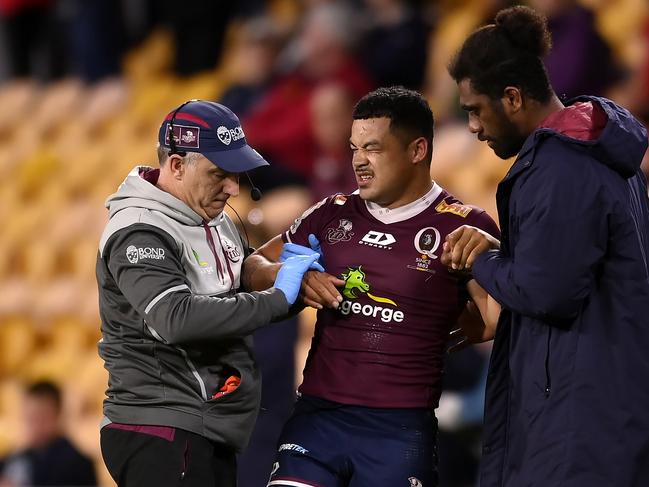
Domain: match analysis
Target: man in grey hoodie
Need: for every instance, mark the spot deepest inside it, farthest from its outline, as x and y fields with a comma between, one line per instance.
x=183, y=390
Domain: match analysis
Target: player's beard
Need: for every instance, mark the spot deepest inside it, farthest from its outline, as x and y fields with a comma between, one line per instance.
x=509, y=140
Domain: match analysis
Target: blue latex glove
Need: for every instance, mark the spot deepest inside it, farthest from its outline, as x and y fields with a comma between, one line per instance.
x=289, y=277
x=291, y=249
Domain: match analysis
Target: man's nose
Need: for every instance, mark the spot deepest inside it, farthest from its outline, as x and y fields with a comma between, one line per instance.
x=474, y=125
x=359, y=158
x=231, y=185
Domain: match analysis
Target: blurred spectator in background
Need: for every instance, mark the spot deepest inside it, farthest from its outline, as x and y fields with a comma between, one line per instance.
x=50, y=39
x=331, y=117
x=48, y=458
x=34, y=39
x=198, y=29
x=394, y=47
x=280, y=126
x=456, y=19
x=252, y=63
x=95, y=35
x=580, y=61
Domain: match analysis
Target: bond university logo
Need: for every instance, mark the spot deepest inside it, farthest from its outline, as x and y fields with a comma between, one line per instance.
x=378, y=239
x=227, y=136
x=341, y=234
x=135, y=254
x=355, y=286
x=224, y=135
x=427, y=241
x=131, y=254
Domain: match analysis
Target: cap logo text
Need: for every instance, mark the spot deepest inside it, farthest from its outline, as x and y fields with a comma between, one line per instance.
x=227, y=136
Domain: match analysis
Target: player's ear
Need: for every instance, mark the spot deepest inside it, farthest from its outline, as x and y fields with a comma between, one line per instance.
x=418, y=149
x=512, y=100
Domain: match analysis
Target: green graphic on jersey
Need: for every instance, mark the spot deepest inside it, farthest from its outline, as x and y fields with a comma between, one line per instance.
x=355, y=281
x=198, y=259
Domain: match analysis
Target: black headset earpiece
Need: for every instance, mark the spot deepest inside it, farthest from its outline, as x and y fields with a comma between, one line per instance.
x=172, y=141
x=255, y=192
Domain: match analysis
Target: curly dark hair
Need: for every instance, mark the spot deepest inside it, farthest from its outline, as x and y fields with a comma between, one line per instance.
x=507, y=53
x=409, y=113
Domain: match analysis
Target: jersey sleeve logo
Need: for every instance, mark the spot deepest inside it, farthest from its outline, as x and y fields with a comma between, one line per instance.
x=341, y=234
x=455, y=208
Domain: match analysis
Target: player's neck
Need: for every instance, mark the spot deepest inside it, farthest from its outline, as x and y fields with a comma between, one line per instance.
x=416, y=191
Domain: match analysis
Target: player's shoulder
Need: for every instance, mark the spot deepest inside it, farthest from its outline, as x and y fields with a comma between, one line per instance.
x=327, y=209
x=335, y=202
x=464, y=214
x=448, y=203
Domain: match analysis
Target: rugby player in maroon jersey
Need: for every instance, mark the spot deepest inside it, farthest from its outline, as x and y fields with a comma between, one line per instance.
x=386, y=306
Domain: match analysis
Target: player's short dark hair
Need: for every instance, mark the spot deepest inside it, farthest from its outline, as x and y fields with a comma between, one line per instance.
x=45, y=389
x=409, y=113
x=507, y=53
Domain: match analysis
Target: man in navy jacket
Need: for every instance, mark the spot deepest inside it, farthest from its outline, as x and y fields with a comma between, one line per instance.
x=567, y=400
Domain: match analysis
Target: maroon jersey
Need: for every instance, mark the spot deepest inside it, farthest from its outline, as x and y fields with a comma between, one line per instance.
x=385, y=345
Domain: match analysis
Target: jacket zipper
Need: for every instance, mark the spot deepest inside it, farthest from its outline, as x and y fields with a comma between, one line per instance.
x=548, y=383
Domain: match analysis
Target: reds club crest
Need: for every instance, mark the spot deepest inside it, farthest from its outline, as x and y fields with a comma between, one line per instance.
x=341, y=234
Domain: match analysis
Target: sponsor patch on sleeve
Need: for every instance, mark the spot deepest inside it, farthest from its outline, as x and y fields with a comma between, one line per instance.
x=340, y=199
x=135, y=254
x=455, y=208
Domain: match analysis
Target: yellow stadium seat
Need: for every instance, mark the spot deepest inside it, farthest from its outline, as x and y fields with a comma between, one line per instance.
x=17, y=342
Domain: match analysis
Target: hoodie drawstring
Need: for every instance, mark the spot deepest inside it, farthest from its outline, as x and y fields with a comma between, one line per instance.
x=210, y=240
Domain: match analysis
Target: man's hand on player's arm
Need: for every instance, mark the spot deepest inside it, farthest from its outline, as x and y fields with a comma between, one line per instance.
x=464, y=244
x=318, y=288
x=478, y=321
x=260, y=269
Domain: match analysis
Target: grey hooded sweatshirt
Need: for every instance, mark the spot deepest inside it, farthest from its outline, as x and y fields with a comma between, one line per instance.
x=175, y=325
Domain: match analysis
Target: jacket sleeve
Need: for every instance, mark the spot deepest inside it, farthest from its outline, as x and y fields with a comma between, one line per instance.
x=559, y=219
x=147, y=269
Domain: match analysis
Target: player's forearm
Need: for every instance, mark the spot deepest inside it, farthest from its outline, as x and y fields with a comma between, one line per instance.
x=489, y=308
x=259, y=273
